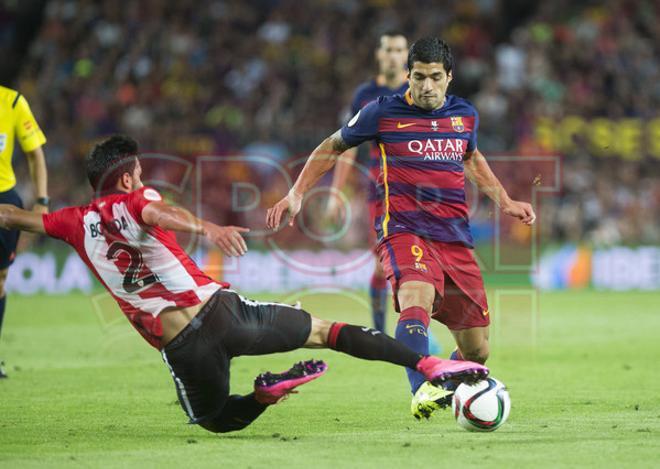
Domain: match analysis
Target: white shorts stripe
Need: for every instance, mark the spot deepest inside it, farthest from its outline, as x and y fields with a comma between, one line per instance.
x=179, y=385
x=247, y=301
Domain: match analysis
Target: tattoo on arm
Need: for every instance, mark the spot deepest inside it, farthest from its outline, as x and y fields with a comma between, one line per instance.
x=338, y=143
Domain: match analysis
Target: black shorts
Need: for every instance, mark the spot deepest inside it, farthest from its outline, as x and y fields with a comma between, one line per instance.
x=9, y=238
x=228, y=326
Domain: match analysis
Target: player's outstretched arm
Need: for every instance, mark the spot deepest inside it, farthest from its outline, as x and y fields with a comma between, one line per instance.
x=322, y=160
x=169, y=217
x=478, y=171
x=342, y=169
x=14, y=218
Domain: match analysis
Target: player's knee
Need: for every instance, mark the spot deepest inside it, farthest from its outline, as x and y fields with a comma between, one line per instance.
x=416, y=293
x=318, y=335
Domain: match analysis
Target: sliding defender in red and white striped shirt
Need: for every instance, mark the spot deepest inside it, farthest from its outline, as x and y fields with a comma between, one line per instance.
x=125, y=235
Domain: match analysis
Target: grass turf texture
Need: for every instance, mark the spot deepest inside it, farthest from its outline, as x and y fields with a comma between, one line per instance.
x=86, y=390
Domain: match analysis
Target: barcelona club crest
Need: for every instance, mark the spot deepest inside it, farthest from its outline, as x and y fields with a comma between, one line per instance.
x=457, y=124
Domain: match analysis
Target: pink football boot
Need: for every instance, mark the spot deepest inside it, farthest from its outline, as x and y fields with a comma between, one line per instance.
x=271, y=388
x=439, y=371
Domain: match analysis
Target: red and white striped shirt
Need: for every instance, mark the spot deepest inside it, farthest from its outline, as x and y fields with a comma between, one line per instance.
x=142, y=267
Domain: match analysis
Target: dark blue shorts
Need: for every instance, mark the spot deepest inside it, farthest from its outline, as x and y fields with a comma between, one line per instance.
x=9, y=238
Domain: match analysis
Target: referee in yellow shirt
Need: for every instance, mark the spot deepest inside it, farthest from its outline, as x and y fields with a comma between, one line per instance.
x=18, y=123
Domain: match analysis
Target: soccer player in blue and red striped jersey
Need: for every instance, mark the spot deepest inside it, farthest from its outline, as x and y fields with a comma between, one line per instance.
x=428, y=144
x=391, y=55
x=392, y=79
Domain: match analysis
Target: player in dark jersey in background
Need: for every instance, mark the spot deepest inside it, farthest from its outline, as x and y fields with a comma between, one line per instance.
x=124, y=237
x=391, y=56
x=428, y=143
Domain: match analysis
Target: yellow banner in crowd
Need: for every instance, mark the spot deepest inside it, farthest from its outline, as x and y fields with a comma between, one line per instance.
x=631, y=138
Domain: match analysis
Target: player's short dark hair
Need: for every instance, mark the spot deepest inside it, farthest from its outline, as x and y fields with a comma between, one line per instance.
x=431, y=49
x=391, y=33
x=109, y=160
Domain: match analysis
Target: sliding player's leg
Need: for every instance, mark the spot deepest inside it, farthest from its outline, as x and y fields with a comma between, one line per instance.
x=200, y=369
x=229, y=325
x=198, y=359
x=247, y=327
x=260, y=328
x=370, y=344
x=360, y=342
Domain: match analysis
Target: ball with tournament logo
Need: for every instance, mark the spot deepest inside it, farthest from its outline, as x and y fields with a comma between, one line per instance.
x=483, y=406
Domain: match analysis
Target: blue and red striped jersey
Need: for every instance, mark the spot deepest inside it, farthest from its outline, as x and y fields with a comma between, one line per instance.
x=422, y=183
x=365, y=93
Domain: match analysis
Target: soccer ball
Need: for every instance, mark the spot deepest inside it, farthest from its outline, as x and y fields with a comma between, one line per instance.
x=481, y=407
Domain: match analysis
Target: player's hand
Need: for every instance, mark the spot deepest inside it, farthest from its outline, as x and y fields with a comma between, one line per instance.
x=38, y=208
x=227, y=238
x=521, y=210
x=290, y=204
x=334, y=210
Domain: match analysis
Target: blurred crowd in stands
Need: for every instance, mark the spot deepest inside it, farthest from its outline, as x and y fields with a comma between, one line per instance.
x=271, y=78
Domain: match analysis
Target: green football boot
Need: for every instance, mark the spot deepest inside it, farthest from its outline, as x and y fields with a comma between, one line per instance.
x=428, y=399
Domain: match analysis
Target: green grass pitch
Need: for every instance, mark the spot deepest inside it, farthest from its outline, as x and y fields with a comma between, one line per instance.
x=582, y=370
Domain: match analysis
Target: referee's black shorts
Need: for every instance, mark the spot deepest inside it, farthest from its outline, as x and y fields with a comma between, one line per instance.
x=228, y=326
x=9, y=238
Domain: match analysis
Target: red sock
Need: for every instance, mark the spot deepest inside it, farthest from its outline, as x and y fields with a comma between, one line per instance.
x=415, y=313
x=334, y=333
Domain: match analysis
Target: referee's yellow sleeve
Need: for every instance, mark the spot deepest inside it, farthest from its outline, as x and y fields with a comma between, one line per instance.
x=28, y=133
